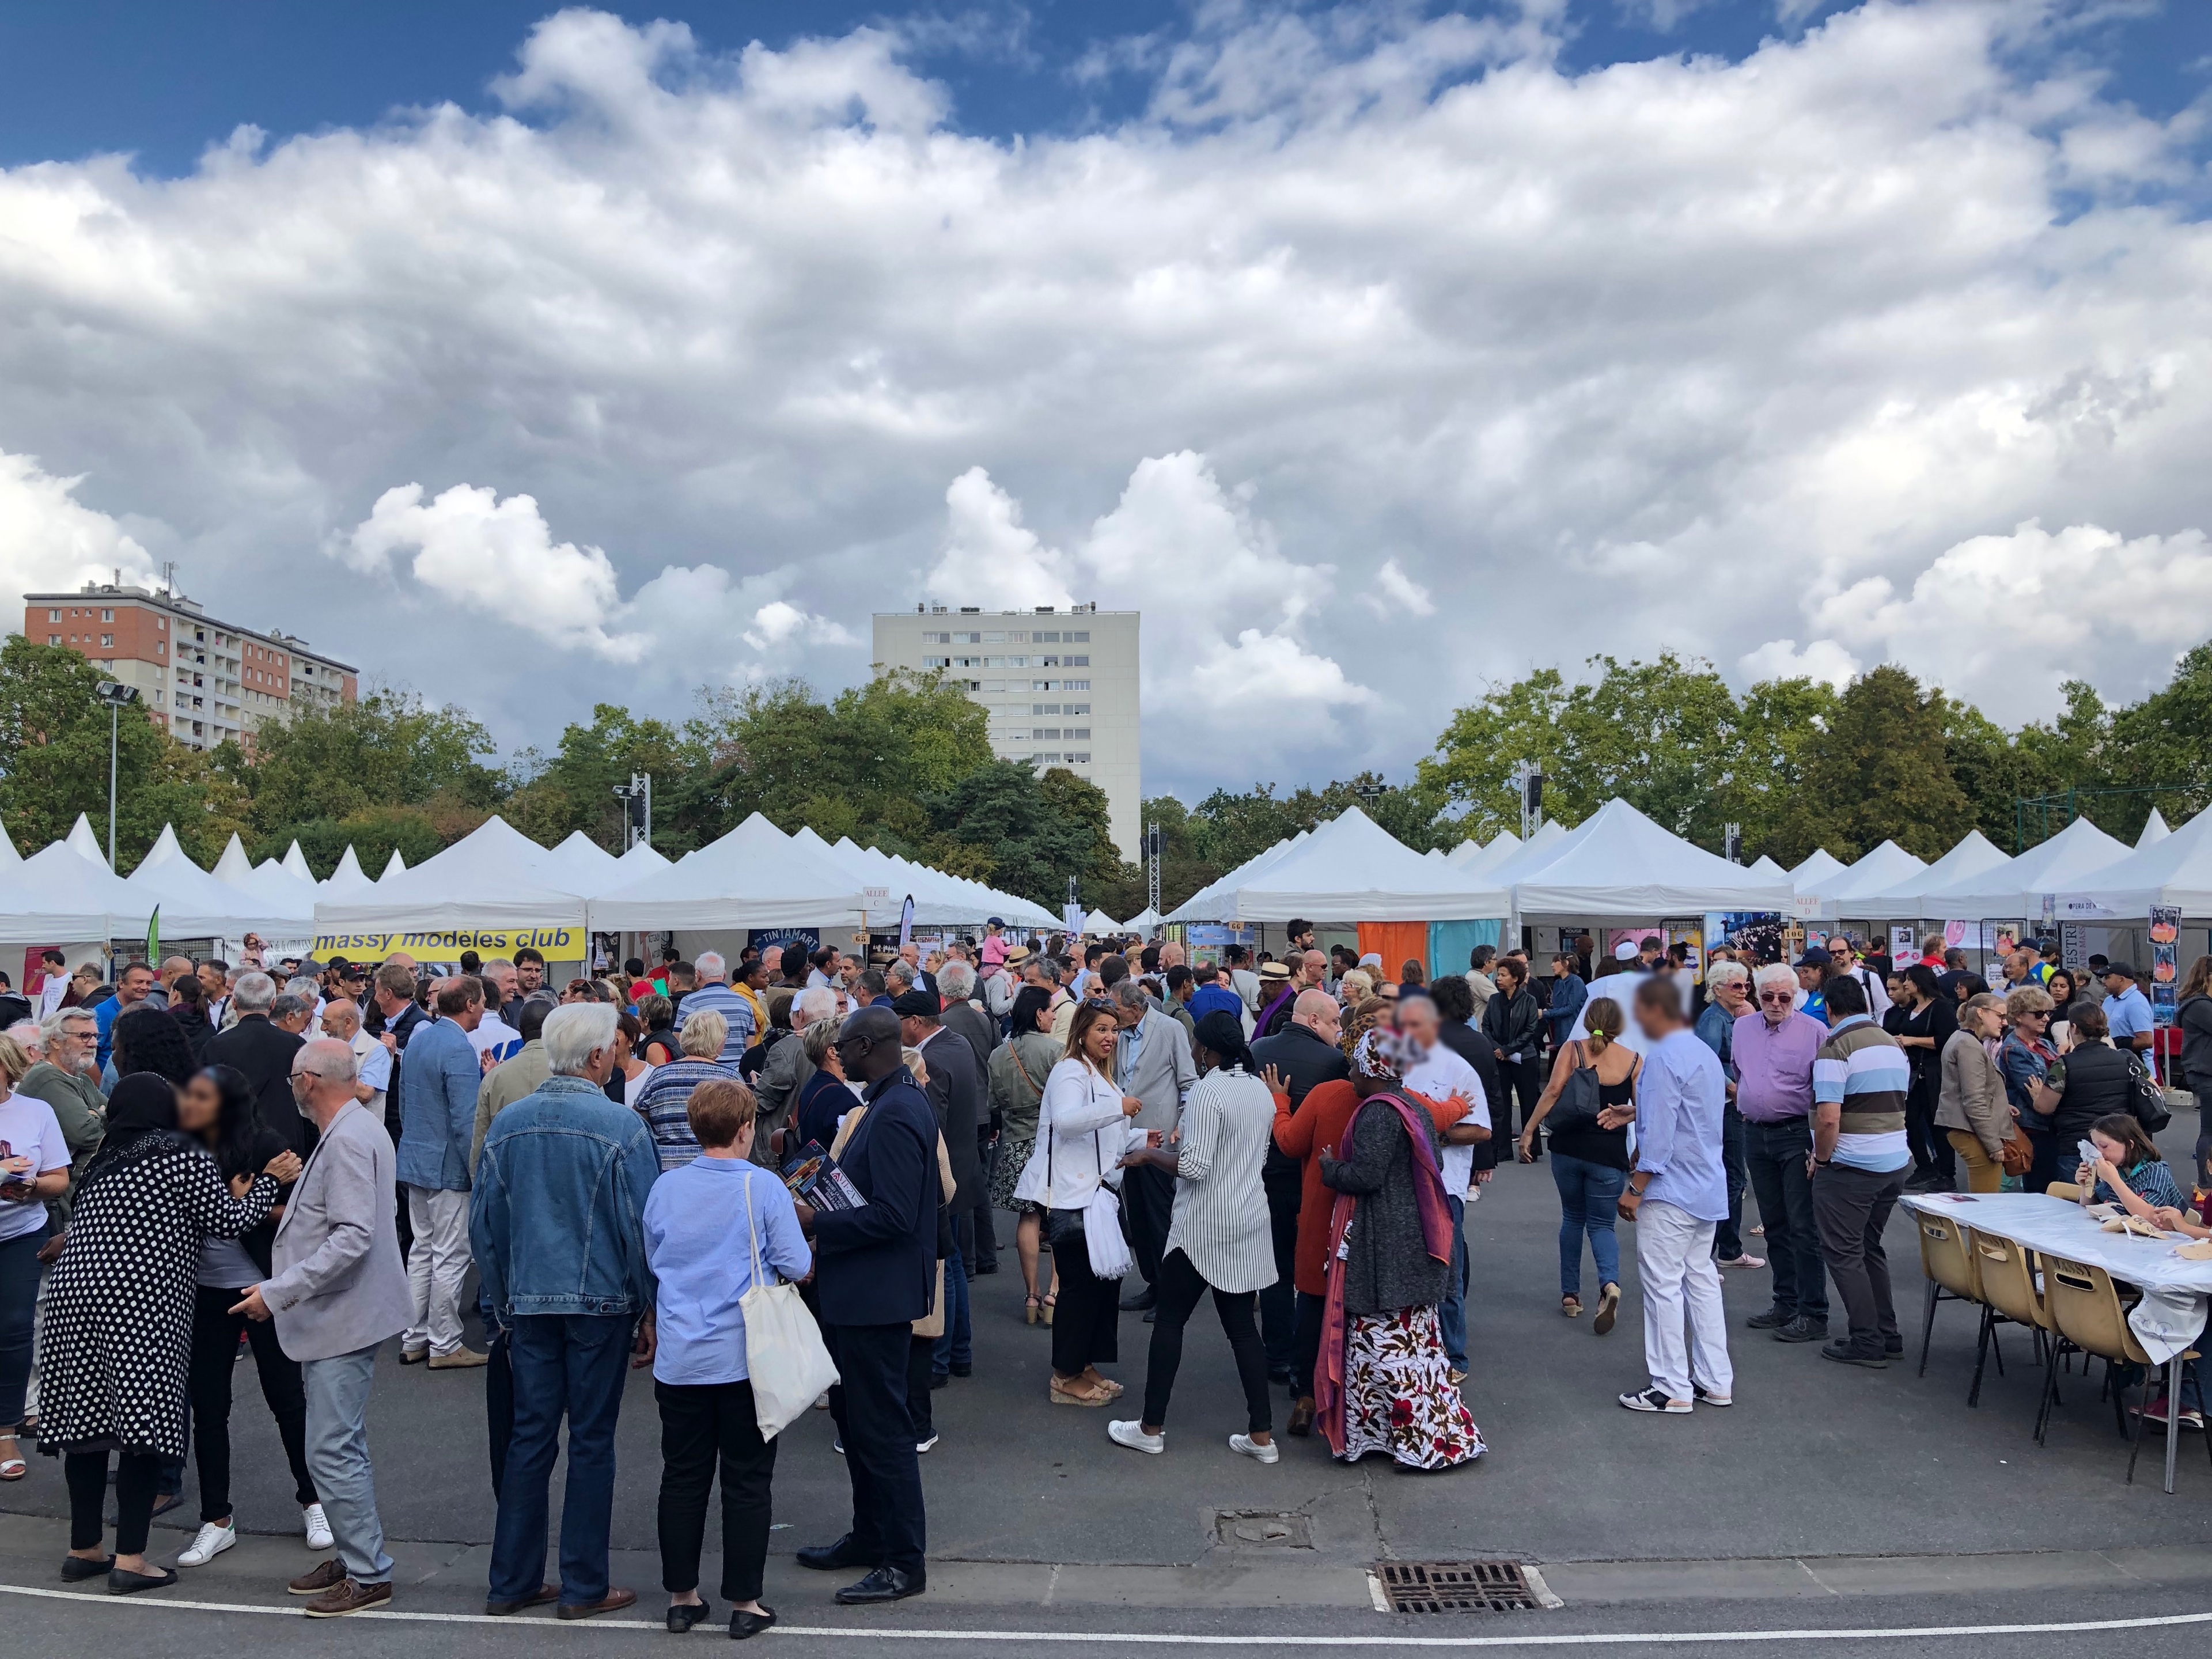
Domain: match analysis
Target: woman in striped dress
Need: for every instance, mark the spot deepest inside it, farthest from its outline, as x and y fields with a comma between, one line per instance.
x=1217, y=1238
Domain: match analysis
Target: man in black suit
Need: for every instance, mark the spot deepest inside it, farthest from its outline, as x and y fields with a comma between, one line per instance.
x=956, y=984
x=955, y=1095
x=1304, y=1052
x=875, y=1268
x=263, y=1053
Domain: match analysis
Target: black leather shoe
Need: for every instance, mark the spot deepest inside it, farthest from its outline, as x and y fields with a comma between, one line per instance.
x=1138, y=1303
x=940, y=1379
x=682, y=1617
x=968, y=1370
x=834, y=1558
x=1773, y=1319
x=76, y=1567
x=1844, y=1354
x=884, y=1584
x=1802, y=1329
x=743, y=1624
x=120, y=1582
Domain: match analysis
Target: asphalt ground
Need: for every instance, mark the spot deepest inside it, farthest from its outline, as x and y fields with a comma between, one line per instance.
x=1828, y=1499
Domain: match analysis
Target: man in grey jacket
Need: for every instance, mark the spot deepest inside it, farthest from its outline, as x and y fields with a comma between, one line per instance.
x=1151, y=1061
x=338, y=1289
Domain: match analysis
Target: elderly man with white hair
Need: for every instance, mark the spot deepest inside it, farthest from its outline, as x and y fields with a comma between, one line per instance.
x=1773, y=1050
x=1729, y=983
x=337, y=1291
x=263, y=1053
x=784, y=1071
x=714, y=992
x=556, y=1221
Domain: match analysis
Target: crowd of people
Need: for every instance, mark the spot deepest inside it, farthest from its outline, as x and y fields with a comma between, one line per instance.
x=198, y=1161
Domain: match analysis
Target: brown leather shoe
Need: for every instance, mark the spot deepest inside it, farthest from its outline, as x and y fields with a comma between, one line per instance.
x=347, y=1596
x=461, y=1360
x=613, y=1601
x=1302, y=1416
x=313, y=1582
x=544, y=1593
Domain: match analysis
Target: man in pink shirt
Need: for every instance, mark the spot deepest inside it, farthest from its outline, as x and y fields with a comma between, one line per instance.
x=1774, y=1047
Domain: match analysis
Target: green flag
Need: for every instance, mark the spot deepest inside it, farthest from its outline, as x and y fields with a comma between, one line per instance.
x=154, y=937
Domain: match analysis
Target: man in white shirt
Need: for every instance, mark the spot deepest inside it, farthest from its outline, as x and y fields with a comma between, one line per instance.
x=494, y=1039
x=54, y=986
x=1846, y=961
x=1440, y=1074
x=1621, y=988
x=342, y=1023
x=1242, y=979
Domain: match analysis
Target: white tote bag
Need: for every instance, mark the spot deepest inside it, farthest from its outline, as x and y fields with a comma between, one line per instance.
x=784, y=1350
x=1102, y=1230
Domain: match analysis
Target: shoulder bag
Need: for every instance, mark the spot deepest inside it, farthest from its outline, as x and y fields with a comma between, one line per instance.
x=2147, y=1100
x=789, y=1364
x=1578, y=1106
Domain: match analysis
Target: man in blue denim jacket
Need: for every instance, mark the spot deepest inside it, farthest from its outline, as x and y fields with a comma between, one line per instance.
x=558, y=1225
x=438, y=1119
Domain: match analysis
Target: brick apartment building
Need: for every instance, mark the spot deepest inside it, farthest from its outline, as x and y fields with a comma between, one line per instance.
x=204, y=680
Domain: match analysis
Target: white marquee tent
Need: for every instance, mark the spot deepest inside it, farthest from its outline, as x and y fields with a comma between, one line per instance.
x=1619, y=863
x=754, y=877
x=493, y=876
x=66, y=895
x=1817, y=866
x=1835, y=893
x=194, y=904
x=1349, y=870
x=2175, y=871
x=2014, y=891
x=1976, y=854
x=2154, y=831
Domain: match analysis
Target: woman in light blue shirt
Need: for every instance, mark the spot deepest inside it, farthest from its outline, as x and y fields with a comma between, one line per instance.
x=703, y=1223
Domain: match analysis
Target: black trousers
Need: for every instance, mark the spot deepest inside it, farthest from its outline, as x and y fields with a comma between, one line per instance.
x=499, y=1406
x=1181, y=1287
x=1525, y=1078
x=215, y=1354
x=1086, y=1328
x=1930, y=1147
x=889, y=1525
x=135, y=1473
x=985, y=1256
x=700, y=1426
x=1278, y=1315
x=1310, y=1308
x=1148, y=1209
x=920, y=1363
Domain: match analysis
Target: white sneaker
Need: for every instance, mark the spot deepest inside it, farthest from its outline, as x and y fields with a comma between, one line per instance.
x=317, y=1527
x=1131, y=1433
x=211, y=1540
x=924, y=1445
x=1270, y=1453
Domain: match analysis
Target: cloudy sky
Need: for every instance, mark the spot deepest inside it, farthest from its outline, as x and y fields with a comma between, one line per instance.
x=1374, y=351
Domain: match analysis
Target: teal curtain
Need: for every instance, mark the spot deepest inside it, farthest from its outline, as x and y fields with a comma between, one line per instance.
x=1450, y=941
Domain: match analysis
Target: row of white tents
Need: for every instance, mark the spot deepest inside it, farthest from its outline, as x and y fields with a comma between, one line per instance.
x=756, y=876
x=1619, y=864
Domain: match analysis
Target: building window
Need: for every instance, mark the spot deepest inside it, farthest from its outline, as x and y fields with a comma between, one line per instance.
x=1079, y=708
x=1052, y=638
x=1046, y=760
x=1015, y=637
x=1078, y=662
x=1045, y=709
x=1080, y=734
x=1081, y=637
x=107, y=615
x=1079, y=760
x=1045, y=734
x=1047, y=662
x=1075, y=685
x=994, y=639
x=53, y=616
x=161, y=624
x=108, y=642
x=53, y=639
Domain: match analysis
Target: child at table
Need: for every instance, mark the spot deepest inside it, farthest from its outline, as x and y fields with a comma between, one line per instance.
x=2128, y=1170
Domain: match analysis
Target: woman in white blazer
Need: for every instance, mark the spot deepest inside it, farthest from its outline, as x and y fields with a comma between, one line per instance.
x=1082, y=1132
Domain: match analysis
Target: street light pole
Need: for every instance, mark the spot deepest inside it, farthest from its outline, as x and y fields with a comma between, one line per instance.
x=115, y=694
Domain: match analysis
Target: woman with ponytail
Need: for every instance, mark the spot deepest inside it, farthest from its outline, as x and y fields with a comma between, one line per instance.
x=1590, y=1163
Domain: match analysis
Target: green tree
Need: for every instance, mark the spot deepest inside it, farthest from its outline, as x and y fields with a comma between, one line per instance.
x=54, y=734
x=574, y=789
x=1022, y=833
x=390, y=748
x=1881, y=770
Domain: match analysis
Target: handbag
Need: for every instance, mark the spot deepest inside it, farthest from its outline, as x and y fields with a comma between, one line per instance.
x=790, y=1367
x=2017, y=1155
x=2147, y=1100
x=1578, y=1106
x=932, y=1323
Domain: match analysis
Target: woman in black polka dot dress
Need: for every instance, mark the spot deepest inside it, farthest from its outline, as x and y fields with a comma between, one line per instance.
x=118, y=1334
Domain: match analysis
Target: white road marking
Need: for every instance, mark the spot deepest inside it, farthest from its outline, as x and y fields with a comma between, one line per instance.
x=1130, y=1639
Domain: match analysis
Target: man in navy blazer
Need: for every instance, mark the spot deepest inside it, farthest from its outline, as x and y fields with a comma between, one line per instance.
x=875, y=1270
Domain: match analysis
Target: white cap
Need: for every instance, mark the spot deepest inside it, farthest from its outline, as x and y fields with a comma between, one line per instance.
x=1626, y=950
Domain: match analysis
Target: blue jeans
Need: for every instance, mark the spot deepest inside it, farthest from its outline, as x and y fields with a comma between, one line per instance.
x=570, y=1365
x=1452, y=1314
x=337, y=1457
x=956, y=1347
x=1588, y=1193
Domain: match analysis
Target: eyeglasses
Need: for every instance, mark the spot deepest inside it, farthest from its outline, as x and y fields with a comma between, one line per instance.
x=1777, y=997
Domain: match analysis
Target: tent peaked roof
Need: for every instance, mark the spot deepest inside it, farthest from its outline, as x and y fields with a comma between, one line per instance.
x=1099, y=922
x=2177, y=871
x=295, y=864
x=233, y=867
x=754, y=877
x=1974, y=855
x=393, y=866
x=1620, y=863
x=1764, y=865
x=2015, y=889
x=1351, y=869
x=194, y=904
x=493, y=876
x=641, y=857
x=1818, y=864
x=58, y=896
x=1884, y=867
x=85, y=844
x=2154, y=831
x=349, y=879
x=1483, y=859
x=581, y=862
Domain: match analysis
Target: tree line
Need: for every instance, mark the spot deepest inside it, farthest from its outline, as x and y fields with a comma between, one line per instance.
x=905, y=762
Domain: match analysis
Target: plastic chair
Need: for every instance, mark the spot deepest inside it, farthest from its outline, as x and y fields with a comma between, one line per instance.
x=2070, y=1191
x=1949, y=1265
x=2007, y=1277
x=2087, y=1314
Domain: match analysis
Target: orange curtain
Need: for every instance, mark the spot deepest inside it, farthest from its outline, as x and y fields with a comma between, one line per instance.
x=1397, y=943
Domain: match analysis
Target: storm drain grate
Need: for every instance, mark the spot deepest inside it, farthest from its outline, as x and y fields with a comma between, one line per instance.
x=1455, y=1587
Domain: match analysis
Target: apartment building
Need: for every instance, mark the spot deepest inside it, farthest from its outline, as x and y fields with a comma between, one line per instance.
x=204, y=680
x=1060, y=686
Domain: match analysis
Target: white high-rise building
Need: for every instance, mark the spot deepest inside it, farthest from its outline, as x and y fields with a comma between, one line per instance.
x=1060, y=685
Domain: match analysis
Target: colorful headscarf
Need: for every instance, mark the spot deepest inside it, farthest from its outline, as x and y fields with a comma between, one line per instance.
x=1380, y=1054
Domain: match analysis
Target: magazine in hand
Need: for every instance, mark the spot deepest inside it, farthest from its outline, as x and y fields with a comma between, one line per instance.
x=814, y=1178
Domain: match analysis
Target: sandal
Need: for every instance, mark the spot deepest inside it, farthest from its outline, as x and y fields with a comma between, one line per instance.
x=1048, y=1304
x=1571, y=1306
x=12, y=1467
x=1031, y=1305
x=1079, y=1393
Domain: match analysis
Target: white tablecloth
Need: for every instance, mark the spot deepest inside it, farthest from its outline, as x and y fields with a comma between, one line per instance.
x=2176, y=1292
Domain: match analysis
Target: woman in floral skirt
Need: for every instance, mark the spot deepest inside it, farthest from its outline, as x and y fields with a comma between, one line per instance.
x=1383, y=1383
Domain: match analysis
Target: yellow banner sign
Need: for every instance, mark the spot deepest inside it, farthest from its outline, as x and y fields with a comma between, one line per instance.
x=445, y=943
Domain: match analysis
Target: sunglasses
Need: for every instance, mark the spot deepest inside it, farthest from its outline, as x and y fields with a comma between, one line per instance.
x=1777, y=997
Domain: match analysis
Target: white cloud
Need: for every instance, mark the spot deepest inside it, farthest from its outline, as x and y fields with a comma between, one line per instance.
x=51, y=540
x=1781, y=659
x=1681, y=352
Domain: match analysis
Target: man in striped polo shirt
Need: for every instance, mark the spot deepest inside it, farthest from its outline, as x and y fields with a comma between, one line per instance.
x=1860, y=1161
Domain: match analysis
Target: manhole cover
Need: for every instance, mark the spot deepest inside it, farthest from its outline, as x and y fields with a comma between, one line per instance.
x=1262, y=1529
x=1455, y=1586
